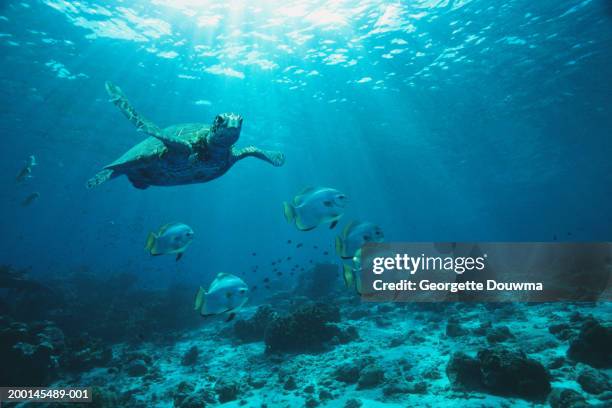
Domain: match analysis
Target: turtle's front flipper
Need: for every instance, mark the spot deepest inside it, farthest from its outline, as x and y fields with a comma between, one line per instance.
x=120, y=101
x=150, y=128
x=99, y=178
x=276, y=159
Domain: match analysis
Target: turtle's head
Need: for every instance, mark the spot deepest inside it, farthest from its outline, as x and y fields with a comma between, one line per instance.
x=225, y=130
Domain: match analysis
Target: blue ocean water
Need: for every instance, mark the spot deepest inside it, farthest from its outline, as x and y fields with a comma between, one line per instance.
x=441, y=120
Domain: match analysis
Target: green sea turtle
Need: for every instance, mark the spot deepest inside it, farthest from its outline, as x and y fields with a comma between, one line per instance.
x=179, y=154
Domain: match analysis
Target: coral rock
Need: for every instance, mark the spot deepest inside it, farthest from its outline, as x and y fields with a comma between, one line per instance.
x=566, y=398
x=254, y=328
x=454, y=329
x=136, y=368
x=499, y=334
x=306, y=329
x=227, y=390
x=371, y=376
x=508, y=372
x=191, y=356
x=353, y=403
x=562, y=331
x=592, y=346
x=347, y=373
x=290, y=384
x=463, y=372
x=30, y=350
x=594, y=381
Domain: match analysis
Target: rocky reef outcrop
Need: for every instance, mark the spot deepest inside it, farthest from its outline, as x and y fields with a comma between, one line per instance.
x=500, y=371
x=592, y=344
x=308, y=328
x=253, y=329
x=30, y=352
x=566, y=398
x=464, y=372
x=39, y=353
x=85, y=352
x=594, y=381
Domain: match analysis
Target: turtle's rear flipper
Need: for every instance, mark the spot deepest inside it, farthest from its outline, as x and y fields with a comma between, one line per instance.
x=99, y=178
x=139, y=184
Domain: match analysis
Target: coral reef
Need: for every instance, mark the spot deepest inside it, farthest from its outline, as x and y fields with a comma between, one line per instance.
x=85, y=352
x=39, y=353
x=17, y=279
x=129, y=313
x=254, y=328
x=301, y=353
x=307, y=328
x=31, y=351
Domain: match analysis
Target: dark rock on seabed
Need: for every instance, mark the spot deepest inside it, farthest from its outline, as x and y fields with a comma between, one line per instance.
x=290, y=383
x=191, y=356
x=353, y=403
x=254, y=328
x=499, y=371
x=594, y=381
x=592, y=345
x=463, y=372
x=509, y=372
x=305, y=329
x=371, y=376
x=227, y=389
x=566, y=398
x=562, y=331
x=499, y=334
x=454, y=328
x=136, y=368
x=347, y=373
